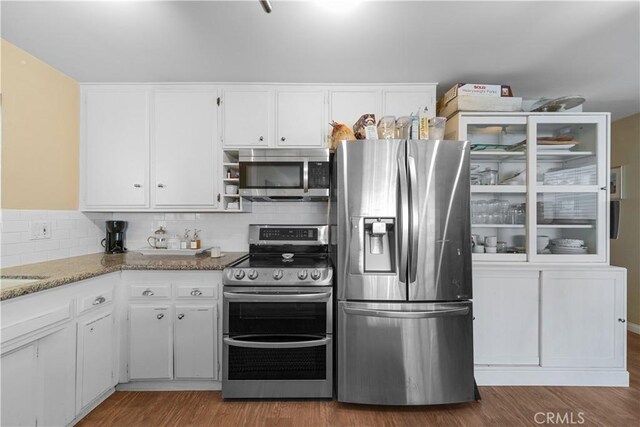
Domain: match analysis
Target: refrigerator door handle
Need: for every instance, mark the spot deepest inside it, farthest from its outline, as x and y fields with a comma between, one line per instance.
x=404, y=219
x=397, y=314
x=413, y=236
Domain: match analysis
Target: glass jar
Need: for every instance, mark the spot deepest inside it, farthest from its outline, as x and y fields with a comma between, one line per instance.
x=489, y=177
x=501, y=247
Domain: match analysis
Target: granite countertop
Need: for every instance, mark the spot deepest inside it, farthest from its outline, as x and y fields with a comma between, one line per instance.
x=51, y=274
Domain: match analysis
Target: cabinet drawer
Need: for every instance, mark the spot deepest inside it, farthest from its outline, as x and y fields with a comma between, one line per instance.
x=195, y=291
x=94, y=300
x=151, y=291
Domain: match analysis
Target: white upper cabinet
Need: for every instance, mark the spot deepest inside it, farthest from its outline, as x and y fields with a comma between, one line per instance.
x=404, y=100
x=301, y=118
x=185, y=148
x=247, y=117
x=116, y=148
x=347, y=105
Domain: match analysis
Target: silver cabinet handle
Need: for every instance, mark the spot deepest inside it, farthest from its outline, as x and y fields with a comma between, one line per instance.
x=180, y=316
x=160, y=316
x=137, y=185
x=285, y=344
x=407, y=314
x=261, y=138
x=148, y=293
x=283, y=139
x=247, y=296
x=622, y=320
x=99, y=300
x=196, y=292
x=160, y=185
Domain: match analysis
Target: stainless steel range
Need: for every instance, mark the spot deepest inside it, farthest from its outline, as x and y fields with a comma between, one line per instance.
x=278, y=315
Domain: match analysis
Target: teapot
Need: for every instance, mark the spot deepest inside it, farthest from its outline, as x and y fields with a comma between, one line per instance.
x=159, y=239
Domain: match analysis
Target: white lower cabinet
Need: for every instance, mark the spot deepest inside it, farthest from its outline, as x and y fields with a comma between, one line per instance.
x=195, y=335
x=506, y=307
x=583, y=321
x=18, y=383
x=95, y=356
x=150, y=342
x=38, y=381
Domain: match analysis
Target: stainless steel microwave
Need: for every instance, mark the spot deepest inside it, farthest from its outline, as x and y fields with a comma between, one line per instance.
x=285, y=174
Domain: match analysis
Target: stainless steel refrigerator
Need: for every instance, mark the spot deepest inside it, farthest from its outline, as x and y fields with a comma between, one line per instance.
x=400, y=211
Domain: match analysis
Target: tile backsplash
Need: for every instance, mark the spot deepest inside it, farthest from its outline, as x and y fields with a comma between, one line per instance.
x=73, y=233
x=230, y=231
x=76, y=233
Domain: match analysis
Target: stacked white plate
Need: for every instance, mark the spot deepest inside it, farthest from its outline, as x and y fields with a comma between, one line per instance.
x=568, y=247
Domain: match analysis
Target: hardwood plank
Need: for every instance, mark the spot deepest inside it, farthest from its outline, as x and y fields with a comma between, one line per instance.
x=500, y=406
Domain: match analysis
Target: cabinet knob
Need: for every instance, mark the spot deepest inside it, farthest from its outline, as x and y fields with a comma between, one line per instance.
x=283, y=139
x=160, y=185
x=622, y=320
x=99, y=300
x=261, y=138
x=137, y=185
x=160, y=316
x=147, y=293
x=196, y=292
x=180, y=316
x=603, y=188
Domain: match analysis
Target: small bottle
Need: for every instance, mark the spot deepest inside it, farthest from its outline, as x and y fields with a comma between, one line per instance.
x=195, y=242
x=228, y=173
x=185, y=242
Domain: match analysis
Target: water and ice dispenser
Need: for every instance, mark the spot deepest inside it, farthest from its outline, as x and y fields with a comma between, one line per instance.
x=379, y=245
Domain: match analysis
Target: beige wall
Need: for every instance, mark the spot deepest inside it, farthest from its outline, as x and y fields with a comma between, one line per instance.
x=40, y=119
x=625, y=251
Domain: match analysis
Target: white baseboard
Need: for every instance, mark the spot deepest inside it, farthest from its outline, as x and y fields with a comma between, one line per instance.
x=633, y=328
x=169, y=385
x=550, y=377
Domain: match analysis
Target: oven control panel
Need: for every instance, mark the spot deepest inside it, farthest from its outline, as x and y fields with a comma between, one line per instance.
x=289, y=234
x=280, y=276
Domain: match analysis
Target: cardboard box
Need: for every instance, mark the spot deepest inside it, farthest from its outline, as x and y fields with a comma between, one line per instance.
x=480, y=103
x=474, y=89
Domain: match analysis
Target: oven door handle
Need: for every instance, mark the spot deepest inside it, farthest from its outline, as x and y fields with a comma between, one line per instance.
x=284, y=344
x=246, y=296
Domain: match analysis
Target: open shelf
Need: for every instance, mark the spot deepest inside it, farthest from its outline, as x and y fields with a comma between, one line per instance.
x=498, y=189
x=497, y=225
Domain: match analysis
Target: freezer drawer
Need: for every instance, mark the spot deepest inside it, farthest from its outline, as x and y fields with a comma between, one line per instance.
x=405, y=353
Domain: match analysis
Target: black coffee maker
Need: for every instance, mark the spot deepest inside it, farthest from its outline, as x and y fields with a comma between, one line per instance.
x=114, y=242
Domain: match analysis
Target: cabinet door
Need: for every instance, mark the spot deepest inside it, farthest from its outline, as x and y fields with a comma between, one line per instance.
x=301, y=119
x=583, y=319
x=505, y=306
x=116, y=149
x=95, y=357
x=247, y=118
x=150, y=342
x=56, y=377
x=18, y=381
x=404, y=101
x=185, y=148
x=346, y=106
x=195, y=341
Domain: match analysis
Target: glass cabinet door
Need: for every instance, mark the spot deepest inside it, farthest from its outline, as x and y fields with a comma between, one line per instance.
x=498, y=185
x=568, y=188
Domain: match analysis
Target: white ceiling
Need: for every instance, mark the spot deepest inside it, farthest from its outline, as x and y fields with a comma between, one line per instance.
x=539, y=48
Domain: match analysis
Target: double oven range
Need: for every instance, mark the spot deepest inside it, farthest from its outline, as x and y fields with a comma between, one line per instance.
x=278, y=311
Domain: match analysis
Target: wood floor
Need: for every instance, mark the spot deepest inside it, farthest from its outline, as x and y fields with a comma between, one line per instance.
x=500, y=406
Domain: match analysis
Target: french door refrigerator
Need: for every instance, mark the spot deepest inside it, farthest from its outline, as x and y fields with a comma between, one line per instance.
x=402, y=254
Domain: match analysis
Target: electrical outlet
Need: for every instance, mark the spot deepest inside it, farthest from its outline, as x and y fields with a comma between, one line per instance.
x=40, y=230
